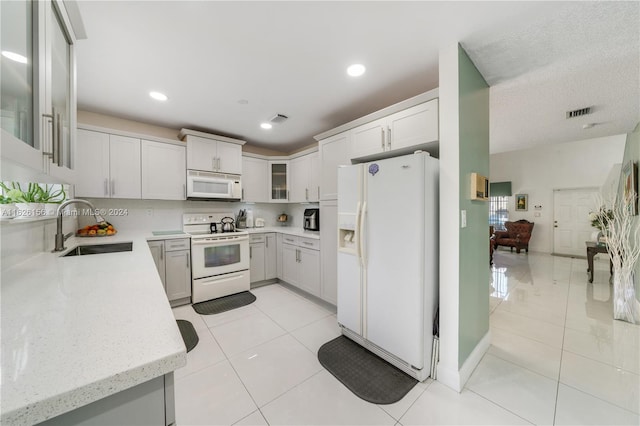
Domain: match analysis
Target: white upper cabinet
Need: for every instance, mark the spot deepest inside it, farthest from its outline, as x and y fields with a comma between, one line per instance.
x=279, y=181
x=369, y=138
x=93, y=164
x=255, y=185
x=304, y=178
x=413, y=126
x=163, y=171
x=213, y=156
x=108, y=165
x=403, y=130
x=334, y=151
x=38, y=87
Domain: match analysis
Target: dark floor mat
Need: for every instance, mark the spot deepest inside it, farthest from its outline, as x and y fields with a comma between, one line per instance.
x=363, y=373
x=224, y=304
x=189, y=334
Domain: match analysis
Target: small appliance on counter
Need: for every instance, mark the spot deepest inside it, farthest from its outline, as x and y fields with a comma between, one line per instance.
x=259, y=222
x=312, y=219
x=282, y=219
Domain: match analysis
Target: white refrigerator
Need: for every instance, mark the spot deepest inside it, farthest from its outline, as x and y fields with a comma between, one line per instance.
x=388, y=258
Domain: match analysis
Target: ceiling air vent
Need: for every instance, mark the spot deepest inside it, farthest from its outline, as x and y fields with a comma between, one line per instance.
x=579, y=112
x=279, y=118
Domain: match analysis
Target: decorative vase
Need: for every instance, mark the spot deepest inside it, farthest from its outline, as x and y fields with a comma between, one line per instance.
x=7, y=211
x=625, y=305
x=28, y=210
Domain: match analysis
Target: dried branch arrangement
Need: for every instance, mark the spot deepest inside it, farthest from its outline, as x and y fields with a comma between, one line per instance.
x=622, y=232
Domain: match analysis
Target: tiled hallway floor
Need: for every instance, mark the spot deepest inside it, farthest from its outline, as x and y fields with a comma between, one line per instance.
x=556, y=357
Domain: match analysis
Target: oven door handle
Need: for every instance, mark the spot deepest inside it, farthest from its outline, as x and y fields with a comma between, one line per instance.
x=219, y=242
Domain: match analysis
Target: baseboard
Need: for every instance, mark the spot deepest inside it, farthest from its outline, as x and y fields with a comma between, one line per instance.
x=457, y=379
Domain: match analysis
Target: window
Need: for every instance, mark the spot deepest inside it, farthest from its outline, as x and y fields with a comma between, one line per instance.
x=498, y=212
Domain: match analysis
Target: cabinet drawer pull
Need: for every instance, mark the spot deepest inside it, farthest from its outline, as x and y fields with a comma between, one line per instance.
x=382, y=137
x=307, y=243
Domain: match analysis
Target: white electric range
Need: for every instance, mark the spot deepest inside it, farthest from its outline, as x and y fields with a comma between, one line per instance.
x=219, y=260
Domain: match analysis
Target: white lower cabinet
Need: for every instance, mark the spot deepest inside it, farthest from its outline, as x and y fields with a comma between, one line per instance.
x=301, y=263
x=270, y=257
x=263, y=257
x=329, y=251
x=173, y=260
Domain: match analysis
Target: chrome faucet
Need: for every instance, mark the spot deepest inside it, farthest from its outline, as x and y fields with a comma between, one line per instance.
x=60, y=237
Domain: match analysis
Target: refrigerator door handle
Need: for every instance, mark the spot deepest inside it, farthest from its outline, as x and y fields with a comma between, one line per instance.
x=357, y=230
x=363, y=257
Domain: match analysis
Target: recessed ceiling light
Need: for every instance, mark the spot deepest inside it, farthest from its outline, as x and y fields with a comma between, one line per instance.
x=14, y=56
x=158, y=96
x=356, y=70
x=266, y=126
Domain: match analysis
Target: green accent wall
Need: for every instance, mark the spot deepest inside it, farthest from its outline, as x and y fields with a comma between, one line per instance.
x=474, y=239
x=632, y=153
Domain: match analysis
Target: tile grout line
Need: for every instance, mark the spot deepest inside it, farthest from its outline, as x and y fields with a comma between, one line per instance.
x=499, y=406
x=564, y=332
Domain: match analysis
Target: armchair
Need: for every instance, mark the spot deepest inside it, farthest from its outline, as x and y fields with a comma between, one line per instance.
x=517, y=235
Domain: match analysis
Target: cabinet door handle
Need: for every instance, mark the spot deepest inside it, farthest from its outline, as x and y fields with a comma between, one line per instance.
x=50, y=119
x=306, y=194
x=184, y=190
x=213, y=163
x=188, y=259
x=113, y=187
x=219, y=166
x=267, y=242
x=389, y=137
x=382, y=137
x=55, y=119
x=162, y=254
x=59, y=140
x=318, y=192
x=250, y=252
x=287, y=194
x=106, y=187
x=242, y=194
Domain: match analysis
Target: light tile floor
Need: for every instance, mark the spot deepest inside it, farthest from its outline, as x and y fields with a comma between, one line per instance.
x=557, y=357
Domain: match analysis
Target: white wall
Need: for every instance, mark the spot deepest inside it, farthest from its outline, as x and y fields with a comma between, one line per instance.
x=538, y=171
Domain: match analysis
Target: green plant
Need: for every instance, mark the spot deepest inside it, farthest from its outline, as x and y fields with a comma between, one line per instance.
x=49, y=194
x=601, y=218
x=34, y=193
x=5, y=200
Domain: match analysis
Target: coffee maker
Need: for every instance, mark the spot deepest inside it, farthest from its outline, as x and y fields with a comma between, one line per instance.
x=312, y=219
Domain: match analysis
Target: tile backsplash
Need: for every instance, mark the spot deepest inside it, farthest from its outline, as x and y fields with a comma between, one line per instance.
x=158, y=215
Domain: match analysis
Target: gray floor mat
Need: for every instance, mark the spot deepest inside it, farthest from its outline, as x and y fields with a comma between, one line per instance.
x=188, y=333
x=363, y=373
x=223, y=304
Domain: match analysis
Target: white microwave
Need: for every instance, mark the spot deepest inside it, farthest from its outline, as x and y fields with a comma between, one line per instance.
x=213, y=186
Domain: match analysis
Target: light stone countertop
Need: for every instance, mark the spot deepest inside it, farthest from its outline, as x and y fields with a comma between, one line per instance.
x=289, y=230
x=78, y=329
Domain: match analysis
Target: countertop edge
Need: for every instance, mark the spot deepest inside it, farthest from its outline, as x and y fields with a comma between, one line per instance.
x=66, y=402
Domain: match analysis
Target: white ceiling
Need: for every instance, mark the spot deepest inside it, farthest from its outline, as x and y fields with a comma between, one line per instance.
x=541, y=59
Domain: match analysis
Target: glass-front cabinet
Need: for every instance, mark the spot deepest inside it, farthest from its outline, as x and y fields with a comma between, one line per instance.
x=279, y=181
x=37, y=87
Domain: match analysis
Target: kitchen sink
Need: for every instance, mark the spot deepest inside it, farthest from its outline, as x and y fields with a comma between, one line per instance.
x=99, y=249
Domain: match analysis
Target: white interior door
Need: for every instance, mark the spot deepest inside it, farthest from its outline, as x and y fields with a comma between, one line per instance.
x=571, y=226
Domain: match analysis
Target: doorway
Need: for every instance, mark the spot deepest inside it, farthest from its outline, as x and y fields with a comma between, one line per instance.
x=571, y=225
